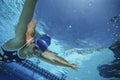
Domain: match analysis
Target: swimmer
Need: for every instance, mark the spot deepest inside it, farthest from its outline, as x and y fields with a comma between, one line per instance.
x=25, y=45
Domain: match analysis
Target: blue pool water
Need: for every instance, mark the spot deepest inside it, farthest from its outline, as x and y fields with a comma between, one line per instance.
x=77, y=29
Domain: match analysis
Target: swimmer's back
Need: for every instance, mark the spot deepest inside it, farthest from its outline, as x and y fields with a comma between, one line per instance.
x=13, y=44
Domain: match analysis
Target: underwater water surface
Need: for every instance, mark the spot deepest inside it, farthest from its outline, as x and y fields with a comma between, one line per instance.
x=81, y=32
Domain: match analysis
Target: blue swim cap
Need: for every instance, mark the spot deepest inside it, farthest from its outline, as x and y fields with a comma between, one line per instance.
x=43, y=42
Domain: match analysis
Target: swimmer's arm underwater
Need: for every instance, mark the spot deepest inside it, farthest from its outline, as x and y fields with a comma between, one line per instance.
x=25, y=18
x=21, y=28
x=30, y=31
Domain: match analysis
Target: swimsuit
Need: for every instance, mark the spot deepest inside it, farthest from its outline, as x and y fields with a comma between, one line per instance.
x=11, y=55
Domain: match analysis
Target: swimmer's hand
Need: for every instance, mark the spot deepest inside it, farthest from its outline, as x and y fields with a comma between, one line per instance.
x=29, y=41
x=74, y=66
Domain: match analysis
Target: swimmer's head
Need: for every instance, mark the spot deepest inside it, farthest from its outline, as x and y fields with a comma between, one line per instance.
x=43, y=42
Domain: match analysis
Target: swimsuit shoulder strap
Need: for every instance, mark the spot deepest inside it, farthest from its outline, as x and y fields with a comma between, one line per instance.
x=22, y=46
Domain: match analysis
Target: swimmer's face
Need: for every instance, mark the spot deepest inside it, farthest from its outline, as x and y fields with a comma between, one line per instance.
x=37, y=50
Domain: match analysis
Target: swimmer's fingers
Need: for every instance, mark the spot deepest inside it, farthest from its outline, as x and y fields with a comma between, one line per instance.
x=30, y=41
x=74, y=66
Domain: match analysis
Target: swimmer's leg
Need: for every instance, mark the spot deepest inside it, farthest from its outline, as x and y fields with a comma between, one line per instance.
x=25, y=18
x=51, y=57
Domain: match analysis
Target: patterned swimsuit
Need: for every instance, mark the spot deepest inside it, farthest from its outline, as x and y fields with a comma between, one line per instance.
x=10, y=55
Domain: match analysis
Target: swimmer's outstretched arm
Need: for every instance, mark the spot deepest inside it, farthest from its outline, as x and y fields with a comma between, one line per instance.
x=52, y=58
x=25, y=18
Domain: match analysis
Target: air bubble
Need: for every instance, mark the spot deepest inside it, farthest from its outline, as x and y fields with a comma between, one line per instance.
x=116, y=34
x=108, y=30
x=117, y=26
x=69, y=27
x=90, y=3
x=113, y=33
